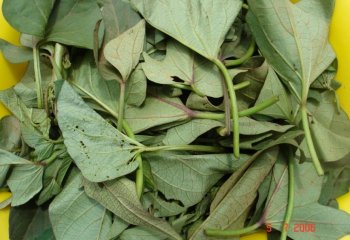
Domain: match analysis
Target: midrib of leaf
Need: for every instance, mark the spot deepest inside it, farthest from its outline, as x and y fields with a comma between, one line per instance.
x=279, y=53
x=101, y=223
x=291, y=18
x=40, y=11
x=93, y=97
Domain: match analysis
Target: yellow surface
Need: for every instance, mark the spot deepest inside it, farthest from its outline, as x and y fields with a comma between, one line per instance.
x=4, y=216
x=339, y=37
x=9, y=73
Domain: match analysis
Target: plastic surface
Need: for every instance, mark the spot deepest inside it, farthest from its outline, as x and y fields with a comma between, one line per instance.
x=339, y=36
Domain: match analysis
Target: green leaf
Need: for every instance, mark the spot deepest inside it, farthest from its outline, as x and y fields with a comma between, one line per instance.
x=190, y=131
x=141, y=233
x=197, y=102
x=257, y=70
x=180, y=62
x=241, y=196
x=136, y=86
x=330, y=129
x=249, y=126
x=66, y=25
x=29, y=17
x=274, y=87
x=10, y=133
x=296, y=45
x=76, y=216
x=200, y=25
x=117, y=227
x=124, y=51
x=31, y=223
x=7, y=158
x=91, y=86
x=329, y=223
x=35, y=125
x=25, y=182
x=119, y=196
x=53, y=177
x=10, y=140
x=100, y=151
x=154, y=112
x=163, y=208
x=194, y=174
x=15, y=54
x=114, y=24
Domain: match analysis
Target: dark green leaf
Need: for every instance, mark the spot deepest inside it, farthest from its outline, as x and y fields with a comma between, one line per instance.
x=31, y=223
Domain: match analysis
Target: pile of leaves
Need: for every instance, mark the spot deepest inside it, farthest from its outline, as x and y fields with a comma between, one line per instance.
x=149, y=119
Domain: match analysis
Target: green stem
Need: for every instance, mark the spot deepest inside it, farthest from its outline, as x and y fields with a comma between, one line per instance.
x=53, y=157
x=291, y=189
x=234, y=108
x=310, y=142
x=37, y=74
x=196, y=91
x=121, y=106
x=231, y=233
x=241, y=85
x=139, y=172
x=244, y=113
x=181, y=86
x=259, y=107
x=197, y=148
x=244, y=58
x=58, y=56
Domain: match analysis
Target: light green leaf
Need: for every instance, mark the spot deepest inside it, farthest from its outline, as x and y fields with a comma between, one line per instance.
x=329, y=223
x=274, y=87
x=28, y=16
x=183, y=63
x=25, y=182
x=119, y=196
x=199, y=24
x=293, y=39
x=66, y=25
x=194, y=174
x=190, y=131
x=240, y=197
x=15, y=54
x=100, y=151
x=124, y=51
x=154, y=112
x=75, y=216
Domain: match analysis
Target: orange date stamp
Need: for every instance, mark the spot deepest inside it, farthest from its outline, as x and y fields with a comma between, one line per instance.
x=296, y=227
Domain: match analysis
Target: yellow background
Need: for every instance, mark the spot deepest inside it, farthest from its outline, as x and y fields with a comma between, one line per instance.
x=339, y=37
